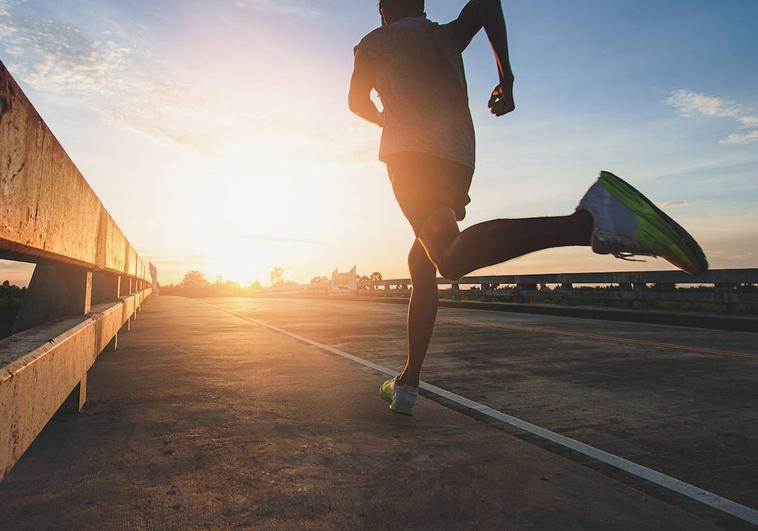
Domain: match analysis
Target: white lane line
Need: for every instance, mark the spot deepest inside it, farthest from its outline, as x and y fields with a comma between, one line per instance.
x=691, y=491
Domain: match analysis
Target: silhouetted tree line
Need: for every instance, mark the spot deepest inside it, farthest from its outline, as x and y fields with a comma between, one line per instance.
x=11, y=299
x=195, y=284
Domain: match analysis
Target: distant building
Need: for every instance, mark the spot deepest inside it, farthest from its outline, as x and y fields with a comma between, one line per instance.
x=342, y=282
x=154, y=277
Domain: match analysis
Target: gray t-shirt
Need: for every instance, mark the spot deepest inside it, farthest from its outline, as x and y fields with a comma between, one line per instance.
x=421, y=82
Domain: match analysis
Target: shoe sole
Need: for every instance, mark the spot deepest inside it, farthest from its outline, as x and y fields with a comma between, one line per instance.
x=401, y=409
x=394, y=407
x=682, y=249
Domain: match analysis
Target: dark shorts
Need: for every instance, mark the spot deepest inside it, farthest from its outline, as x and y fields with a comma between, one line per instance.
x=424, y=183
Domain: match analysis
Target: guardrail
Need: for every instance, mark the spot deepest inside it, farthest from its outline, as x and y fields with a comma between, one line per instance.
x=88, y=283
x=635, y=289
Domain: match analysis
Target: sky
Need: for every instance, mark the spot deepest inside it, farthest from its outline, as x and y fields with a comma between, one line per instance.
x=217, y=133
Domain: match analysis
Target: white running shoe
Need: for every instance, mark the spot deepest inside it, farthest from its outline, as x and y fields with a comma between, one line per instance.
x=628, y=224
x=401, y=398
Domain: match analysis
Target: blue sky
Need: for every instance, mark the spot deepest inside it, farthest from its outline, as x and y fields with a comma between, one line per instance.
x=232, y=114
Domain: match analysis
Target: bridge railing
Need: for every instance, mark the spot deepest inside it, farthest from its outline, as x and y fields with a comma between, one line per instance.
x=723, y=288
x=88, y=282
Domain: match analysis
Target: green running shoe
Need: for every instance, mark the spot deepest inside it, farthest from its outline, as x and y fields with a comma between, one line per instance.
x=401, y=398
x=628, y=224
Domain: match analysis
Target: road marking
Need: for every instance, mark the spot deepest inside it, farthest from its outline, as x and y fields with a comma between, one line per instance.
x=703, y=496
x=600, y=337
x=595, y=337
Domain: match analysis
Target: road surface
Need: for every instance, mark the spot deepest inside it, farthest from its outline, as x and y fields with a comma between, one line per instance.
x=245, y=413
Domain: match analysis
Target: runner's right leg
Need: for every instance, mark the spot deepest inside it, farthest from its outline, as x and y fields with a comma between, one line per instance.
x=613, y=217
x=457, y=253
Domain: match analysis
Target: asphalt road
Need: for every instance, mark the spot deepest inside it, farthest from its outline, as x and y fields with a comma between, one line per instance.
x=679, y=400
x=205, y=419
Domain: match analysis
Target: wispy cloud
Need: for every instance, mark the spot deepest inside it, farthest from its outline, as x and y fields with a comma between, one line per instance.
x=677, y=203
x=279, y=239
x=174, y=261
x=741, y=138
x=282, y=6
x=690, y=104
x=110, y=66
x=112, y=62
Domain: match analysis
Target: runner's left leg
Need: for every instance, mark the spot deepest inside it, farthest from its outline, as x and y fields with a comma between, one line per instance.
x=422, y=312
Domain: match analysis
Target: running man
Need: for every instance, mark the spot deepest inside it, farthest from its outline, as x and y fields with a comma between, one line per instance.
x=427, y=143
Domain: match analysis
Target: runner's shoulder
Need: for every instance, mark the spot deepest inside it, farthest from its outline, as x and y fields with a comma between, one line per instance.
x=372, y=40
x=386, y=38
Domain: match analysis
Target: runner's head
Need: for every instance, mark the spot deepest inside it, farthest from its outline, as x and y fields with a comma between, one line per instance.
x=394, y=10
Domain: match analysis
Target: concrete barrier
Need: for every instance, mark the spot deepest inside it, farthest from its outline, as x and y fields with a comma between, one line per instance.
x=47, y=209
x=87, y=285
x=39, y=369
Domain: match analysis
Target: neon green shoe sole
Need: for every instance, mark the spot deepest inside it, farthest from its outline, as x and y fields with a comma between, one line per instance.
x=664, y=236
x=386, y=393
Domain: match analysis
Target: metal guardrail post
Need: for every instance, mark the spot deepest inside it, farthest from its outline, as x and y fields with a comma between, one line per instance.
x=521, y=289
x=485, y=288
x=518, y=295
x=627, y=287
x=726, y=298
x=638, y=302
x=456, y=291
x=565, y=291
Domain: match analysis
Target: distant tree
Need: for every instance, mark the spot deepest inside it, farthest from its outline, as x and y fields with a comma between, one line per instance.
x=255, y=286
x=11, y=300
x=194, y=284
x=277, y=275
x=376, y=276
x=194, y=279
x=319, y=280
x=230, y=288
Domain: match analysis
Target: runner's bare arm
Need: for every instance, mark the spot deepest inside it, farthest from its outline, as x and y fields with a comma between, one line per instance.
x=468, y=24
x=359, y=98
x=488, y=14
